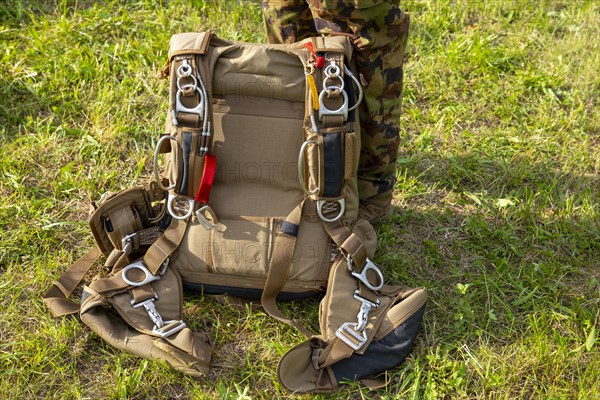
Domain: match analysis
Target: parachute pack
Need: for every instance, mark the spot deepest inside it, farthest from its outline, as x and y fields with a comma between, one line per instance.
x=254, y=196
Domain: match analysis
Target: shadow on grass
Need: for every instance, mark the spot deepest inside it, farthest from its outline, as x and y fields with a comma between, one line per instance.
x=494, y=243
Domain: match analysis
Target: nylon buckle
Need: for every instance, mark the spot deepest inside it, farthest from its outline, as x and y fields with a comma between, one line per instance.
x=355, y=340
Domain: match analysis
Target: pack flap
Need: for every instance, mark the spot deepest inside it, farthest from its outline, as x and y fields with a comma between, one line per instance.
x=189, y=43
x=325, y=44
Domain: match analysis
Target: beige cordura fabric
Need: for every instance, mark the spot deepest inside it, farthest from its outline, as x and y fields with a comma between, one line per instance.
x=259, y=124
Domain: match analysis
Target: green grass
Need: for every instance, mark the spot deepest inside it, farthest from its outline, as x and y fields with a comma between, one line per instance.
x=497, y=198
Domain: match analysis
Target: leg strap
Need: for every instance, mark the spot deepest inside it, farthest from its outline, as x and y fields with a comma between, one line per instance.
x=151, y=327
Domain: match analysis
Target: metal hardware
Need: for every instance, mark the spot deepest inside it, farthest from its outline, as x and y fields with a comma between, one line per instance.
x=185, y=71
x=159, y=324
x=301, y=168
x=343, y=110
x=171, y=208
x=163, y=267
x=155, y=166
x=180, y=107
x=151, y=310
x=358, y=85
x=362, y=276
x=160, y=331
x=206, y=224
x=365, y=309
x=138, y=305
x=127, y=243
x=148, y=277
x=356, y=339
x=323, y=208
x=332, y=72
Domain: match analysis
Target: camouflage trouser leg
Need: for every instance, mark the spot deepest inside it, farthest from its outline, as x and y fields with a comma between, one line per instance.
x=381, y=30
x=287, y=21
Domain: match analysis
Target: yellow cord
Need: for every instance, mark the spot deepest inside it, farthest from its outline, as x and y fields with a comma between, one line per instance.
x=313, y=91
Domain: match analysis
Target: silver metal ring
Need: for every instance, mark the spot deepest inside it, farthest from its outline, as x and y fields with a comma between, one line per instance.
x=342, y=210
x=148, y=277
x=332, y=67
x=188, y=85
x=188, y=70
x=172, y=198
x=333, y=87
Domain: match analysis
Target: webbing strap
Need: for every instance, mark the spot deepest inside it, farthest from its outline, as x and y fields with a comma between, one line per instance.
x=208, y=177
x=349, y=242
x=56, y=298
x=280, y=265
x=166, y=245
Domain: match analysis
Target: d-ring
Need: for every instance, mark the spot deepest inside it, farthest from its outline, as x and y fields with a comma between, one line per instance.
x=148, y=277
x=321, y=203
x=190, y=211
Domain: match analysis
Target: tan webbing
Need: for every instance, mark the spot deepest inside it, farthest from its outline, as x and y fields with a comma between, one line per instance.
x=279, y=269
x=56, y=298
x=166, y=245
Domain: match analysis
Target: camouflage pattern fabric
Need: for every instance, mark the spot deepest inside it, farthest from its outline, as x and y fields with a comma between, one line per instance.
x=380, y=32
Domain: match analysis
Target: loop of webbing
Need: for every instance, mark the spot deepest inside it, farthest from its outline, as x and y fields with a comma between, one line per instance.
x=280, y=265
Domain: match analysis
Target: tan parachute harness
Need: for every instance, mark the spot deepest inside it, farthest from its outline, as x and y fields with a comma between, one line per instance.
x=202, y=226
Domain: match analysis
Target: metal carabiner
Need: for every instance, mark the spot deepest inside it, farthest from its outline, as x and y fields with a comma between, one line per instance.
x=148, y=277
x=365, y=309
